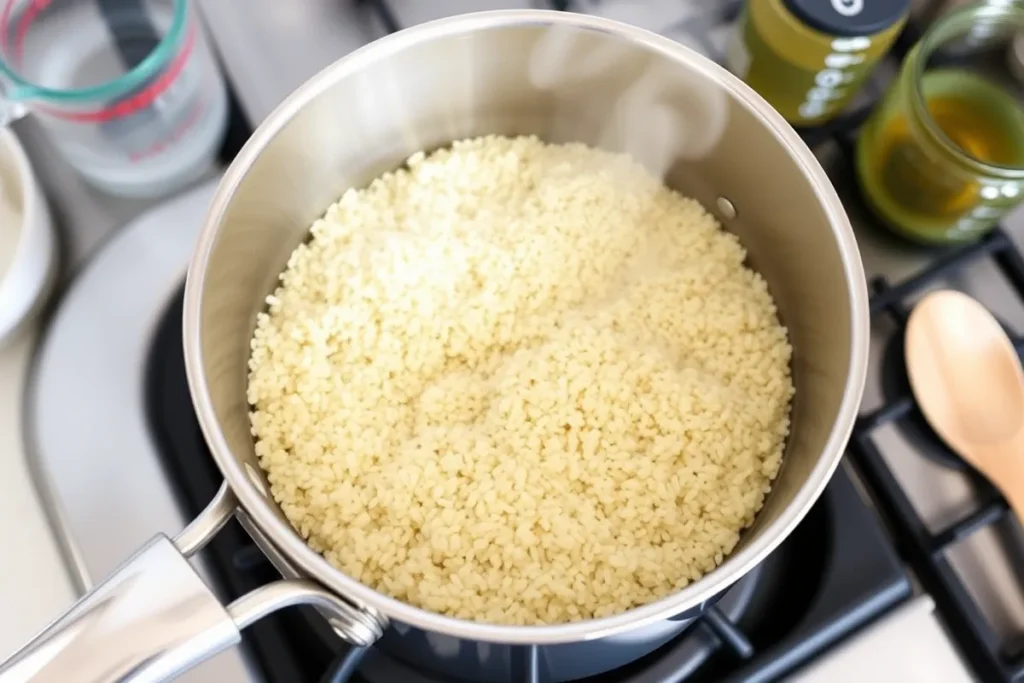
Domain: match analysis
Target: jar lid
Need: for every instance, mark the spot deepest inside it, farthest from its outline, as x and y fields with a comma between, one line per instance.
x=849, y=17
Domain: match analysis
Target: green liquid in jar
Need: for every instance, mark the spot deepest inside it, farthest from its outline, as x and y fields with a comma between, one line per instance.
x=923, y=192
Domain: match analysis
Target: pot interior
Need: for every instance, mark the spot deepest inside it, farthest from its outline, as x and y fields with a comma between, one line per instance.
x=563, y=79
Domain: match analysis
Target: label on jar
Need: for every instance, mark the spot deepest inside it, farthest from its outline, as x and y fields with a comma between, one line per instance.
x=804, y=72
x=832, y=83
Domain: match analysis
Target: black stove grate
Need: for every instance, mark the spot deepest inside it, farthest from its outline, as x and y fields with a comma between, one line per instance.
x=994, y=658
x=925, y=551
x=989, y=654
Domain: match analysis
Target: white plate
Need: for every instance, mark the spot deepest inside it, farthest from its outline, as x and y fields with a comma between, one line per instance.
x=27, y=275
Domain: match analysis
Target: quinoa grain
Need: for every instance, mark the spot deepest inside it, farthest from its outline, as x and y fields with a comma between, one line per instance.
x=520, y=383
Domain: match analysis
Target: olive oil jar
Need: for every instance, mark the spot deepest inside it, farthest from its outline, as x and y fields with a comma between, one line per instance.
x=941, y=160
x=809, y=58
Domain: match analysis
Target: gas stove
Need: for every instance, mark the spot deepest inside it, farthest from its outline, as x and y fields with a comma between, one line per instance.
x=901, y=513
x=807, y=595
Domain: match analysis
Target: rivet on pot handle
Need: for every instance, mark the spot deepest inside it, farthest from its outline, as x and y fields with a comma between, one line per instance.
x=154, y=617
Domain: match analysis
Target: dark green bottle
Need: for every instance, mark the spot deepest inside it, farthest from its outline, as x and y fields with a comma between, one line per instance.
x=808, y=58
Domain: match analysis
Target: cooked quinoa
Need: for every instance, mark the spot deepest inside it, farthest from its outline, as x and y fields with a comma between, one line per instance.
x=520, y=383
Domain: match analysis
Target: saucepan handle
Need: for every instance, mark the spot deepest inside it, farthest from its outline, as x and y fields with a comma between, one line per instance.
x=154, y=618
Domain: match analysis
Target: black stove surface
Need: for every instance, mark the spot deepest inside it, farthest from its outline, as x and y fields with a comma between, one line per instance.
x=835, y=573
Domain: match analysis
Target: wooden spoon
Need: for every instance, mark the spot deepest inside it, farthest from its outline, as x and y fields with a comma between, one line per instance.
x=968, y=381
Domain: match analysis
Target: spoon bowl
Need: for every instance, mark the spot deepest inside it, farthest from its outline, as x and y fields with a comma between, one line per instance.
x=967, y=378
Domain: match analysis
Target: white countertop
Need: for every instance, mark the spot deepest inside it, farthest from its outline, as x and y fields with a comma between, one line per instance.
x=34, y=585
x=908, y=646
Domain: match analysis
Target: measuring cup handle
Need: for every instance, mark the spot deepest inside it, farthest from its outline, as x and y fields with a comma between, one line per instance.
x=155, y=618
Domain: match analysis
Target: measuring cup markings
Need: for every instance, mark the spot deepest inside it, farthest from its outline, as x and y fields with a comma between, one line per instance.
x=120, y=112
x=194, y=114
x=137, y=101
x=130, y=94
x=25, y=20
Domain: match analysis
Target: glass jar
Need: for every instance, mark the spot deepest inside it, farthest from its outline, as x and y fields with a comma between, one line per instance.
x=926, y=12
x=129, y=91
x=941, y=160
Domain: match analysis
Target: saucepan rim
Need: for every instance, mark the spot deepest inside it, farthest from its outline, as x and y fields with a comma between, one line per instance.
x=290, y=543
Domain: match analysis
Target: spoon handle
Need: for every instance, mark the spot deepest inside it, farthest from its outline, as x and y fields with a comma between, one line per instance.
x=1004, y=467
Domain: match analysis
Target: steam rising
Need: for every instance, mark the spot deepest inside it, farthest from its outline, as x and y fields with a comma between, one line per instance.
x=607, y=95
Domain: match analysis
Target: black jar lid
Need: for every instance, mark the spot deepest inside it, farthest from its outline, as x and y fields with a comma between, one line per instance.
x=848, y=17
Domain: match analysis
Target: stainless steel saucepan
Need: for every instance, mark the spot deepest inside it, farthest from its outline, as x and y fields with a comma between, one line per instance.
x=561, y=76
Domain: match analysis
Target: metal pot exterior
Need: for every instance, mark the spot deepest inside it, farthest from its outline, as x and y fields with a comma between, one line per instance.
x=467, y=660
x=564, y=77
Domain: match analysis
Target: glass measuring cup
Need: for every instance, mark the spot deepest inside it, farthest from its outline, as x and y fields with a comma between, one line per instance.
x=941, y=160
x=127, y=89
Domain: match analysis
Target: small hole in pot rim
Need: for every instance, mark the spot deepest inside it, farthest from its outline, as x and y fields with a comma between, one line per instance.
x=727, y=208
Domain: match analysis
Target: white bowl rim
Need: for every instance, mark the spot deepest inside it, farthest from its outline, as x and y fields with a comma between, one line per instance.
x=10, y=145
